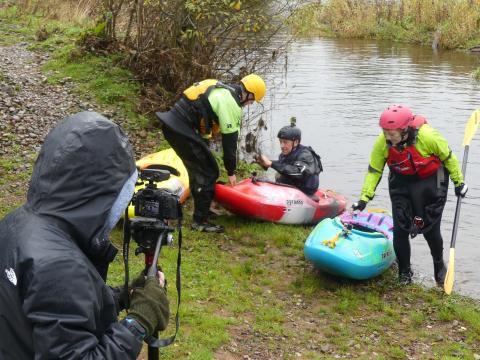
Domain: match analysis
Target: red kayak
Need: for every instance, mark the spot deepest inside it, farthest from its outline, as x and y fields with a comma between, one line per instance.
x=278, y=203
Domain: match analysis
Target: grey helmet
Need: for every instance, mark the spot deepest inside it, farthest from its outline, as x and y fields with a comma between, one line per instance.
x=290, y=132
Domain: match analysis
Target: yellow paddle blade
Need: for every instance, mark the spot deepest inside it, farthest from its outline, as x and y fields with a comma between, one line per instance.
x=378, y=210
x=450, y=277
x=471, y=127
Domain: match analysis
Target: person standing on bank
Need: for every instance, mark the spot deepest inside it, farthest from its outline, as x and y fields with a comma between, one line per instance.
x=297, y=165
x=204, y=110
x=420, y=163
x=54, y=303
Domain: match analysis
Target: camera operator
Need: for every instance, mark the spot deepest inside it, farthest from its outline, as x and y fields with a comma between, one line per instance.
x=54, y=303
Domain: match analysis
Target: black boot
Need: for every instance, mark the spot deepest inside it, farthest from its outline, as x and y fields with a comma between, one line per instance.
x=439, y=271
x=405, y=276
x=207, y=226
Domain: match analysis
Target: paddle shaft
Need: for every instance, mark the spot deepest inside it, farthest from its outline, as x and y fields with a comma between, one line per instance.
x=459, y=199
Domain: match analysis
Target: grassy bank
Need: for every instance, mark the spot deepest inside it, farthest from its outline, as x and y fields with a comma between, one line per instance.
x=250, y=293
x=100, y=76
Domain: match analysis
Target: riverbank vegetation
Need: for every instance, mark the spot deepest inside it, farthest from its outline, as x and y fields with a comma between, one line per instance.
x=441, y=24
x=248, y=293
x=447, y=24
x=476, y=74
x=167, y=45
x=150, y=51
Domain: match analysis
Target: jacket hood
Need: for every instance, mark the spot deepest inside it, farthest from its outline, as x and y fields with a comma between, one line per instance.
x=82, y=166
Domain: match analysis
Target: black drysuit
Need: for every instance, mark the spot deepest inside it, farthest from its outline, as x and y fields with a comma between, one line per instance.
x=300, y=168
x=181, y=128
x=54, y=303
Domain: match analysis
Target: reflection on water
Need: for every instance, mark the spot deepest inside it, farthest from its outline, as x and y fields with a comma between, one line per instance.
x=337, y=90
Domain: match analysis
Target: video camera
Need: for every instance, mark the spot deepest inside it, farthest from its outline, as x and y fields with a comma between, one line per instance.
x=151, y=202
x=150, y=228
x=153, y=208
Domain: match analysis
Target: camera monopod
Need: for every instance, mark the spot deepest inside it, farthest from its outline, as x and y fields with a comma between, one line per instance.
x=151, y=234
x=151, y=269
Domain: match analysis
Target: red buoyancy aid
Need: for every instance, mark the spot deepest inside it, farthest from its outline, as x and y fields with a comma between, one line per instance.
x=409, y=161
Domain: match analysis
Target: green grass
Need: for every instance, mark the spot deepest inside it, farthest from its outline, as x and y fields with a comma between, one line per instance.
x=12, y=172
x=12, y=29
x=16, y=26
x=101, y=77
x=238, y=291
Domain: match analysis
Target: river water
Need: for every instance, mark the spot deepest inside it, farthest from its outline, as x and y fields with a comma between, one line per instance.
x=337, y=90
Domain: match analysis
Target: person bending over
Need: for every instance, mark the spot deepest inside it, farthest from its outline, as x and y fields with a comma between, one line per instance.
x=204, y=110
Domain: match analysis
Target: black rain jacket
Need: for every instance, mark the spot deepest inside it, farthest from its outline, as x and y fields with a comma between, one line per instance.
x=54, y=303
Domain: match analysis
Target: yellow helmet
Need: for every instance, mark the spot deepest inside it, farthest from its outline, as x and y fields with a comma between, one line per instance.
x=255, y=84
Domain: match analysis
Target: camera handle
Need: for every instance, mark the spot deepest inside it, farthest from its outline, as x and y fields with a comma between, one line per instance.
x=153, y=268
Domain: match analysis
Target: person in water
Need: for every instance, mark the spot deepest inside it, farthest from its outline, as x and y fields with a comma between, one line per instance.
x=297, y=165
x=420, y=163
x=206, y=109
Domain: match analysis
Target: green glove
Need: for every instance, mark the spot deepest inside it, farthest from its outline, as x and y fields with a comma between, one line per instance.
x=138, y=282
x=120, y=295
x=149, y=306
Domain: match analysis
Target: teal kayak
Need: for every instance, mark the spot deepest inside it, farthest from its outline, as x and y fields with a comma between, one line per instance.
x=352, y=245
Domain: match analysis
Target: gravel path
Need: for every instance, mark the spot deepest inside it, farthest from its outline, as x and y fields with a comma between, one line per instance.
x=29, y=107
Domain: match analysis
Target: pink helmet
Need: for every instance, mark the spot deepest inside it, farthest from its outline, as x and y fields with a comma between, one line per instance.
x=396, y=117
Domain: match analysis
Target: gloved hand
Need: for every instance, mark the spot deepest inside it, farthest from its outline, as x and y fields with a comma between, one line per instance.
x=138, y=282
x=360, y=205
x=150, y=307
x=120, y=294
x=461, y=190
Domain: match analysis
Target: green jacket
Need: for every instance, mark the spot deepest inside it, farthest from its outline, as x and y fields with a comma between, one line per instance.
x=228, y=111
x=229, y=115
x=428, y=142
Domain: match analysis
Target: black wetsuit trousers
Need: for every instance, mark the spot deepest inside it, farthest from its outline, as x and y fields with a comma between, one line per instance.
x=401, y=244
x=424, y=198
x=202, y=170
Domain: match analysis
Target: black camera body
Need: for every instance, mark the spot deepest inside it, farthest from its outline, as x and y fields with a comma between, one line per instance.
x=154, y=203
x=153, y=208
